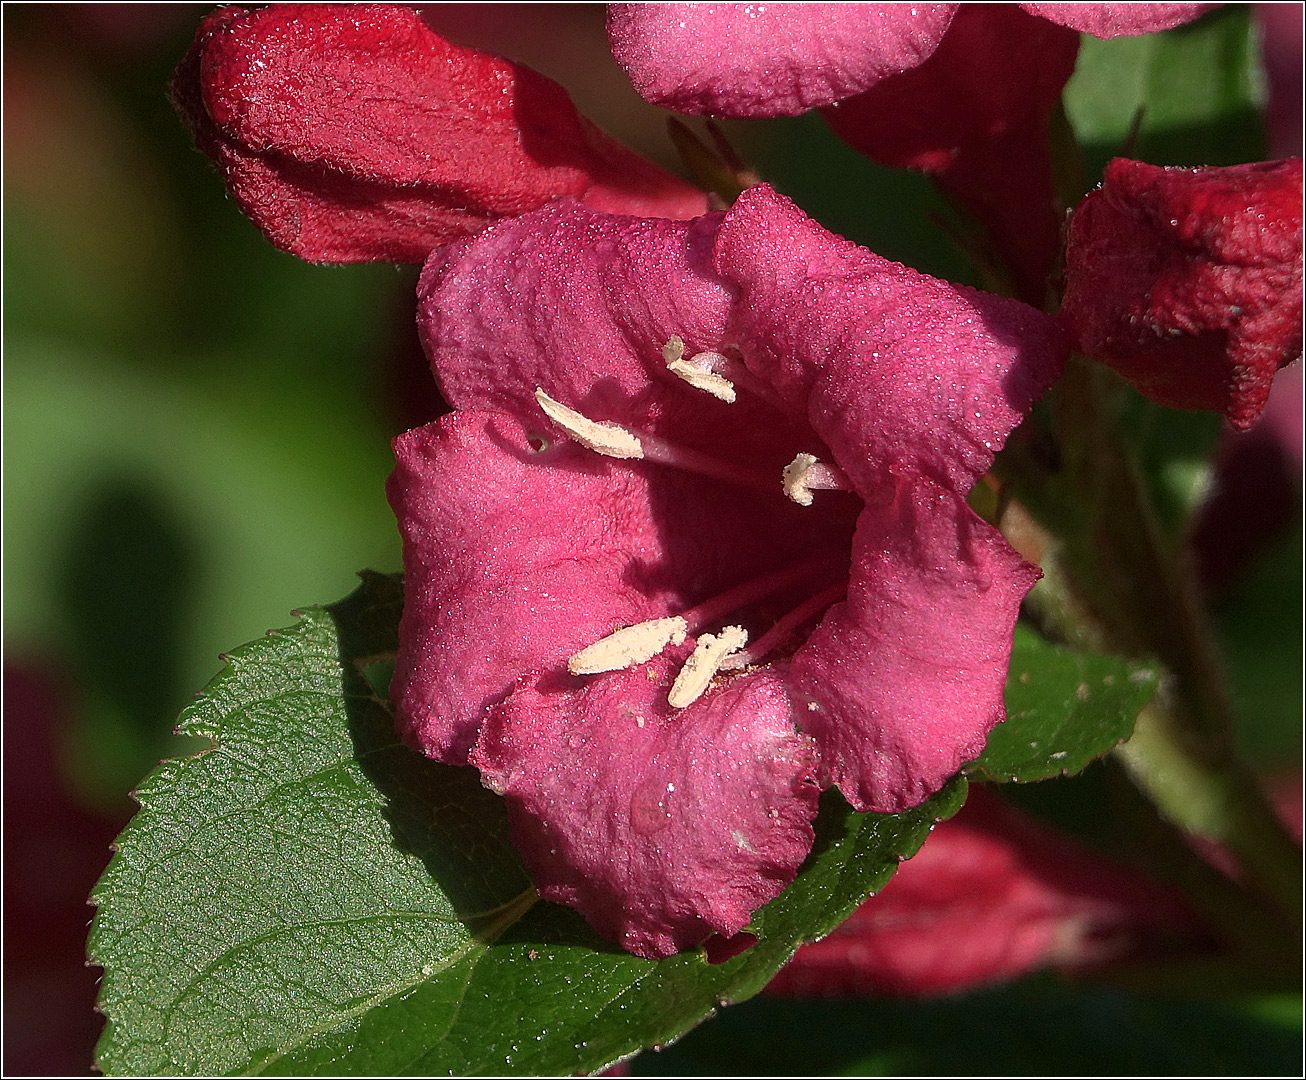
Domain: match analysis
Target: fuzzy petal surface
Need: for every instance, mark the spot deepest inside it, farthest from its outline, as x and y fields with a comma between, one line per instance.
x=1189, y=281
x=660, y=826
x=768, y=59
x=354, y=133
x=1119, y=20
x=578, y=304
x=899, y=373
x=497, y=580
x=903, y=681
x=992, y=895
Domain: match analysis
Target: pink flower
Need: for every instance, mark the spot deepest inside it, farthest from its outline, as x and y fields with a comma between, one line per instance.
x=961, y=92
x=784, y=59
x=1189, y=281
x=991, y=896
x=352, y=133
x=635, y=399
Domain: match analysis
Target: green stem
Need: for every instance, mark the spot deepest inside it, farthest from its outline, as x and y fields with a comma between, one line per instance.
x=1217, y=799
x=1119, y=583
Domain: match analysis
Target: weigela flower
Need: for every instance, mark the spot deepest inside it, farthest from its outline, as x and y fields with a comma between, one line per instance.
x=695, y=544
x=963, y=92
x=992, y=895
x=353, y=133
x=1189, y=281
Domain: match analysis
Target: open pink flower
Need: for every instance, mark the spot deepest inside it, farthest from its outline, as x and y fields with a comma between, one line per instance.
x=992, y=895
x=963, y=92
x=352, y=133
x=1189, y=281
x=695, y=544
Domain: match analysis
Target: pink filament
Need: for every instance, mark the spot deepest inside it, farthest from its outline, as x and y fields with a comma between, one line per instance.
x=731, y=600
x=784, y=626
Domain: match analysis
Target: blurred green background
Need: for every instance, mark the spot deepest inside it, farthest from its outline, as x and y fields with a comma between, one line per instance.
x=195, y=442
x=196, y=436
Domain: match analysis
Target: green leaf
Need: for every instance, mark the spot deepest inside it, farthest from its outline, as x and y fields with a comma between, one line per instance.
x=310, y=897
x=1198, y=87
x=1065, y=708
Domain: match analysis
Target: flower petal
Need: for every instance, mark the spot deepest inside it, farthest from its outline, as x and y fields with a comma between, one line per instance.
x=1189, y=281
x=499, y=579
x=904, y=680
x=659, y=826
x=899, y=373
x=580, y=305
x=1117, y=20
x=575, y=302
x=354, y=133
x=768, y=59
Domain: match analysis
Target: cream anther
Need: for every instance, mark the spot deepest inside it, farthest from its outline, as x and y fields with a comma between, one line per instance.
x=807, y=473
x=674, y=349
x=794, y=478
x=628, y=646
x=697, y=370
x=708, y=655
x=606, y=439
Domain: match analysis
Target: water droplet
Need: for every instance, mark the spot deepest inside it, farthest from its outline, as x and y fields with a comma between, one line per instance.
x=648, y=807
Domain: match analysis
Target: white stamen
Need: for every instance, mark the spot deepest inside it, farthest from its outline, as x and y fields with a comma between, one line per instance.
x=709, y=652
x=807, y=473
x=697, y=370
x=674, y=349
x=794, y=478
x=628, y=646
x=606, y=439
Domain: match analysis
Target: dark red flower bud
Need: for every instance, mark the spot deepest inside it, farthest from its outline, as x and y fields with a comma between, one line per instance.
x=353, y=133
x=1189, y=281
x=975, y=117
